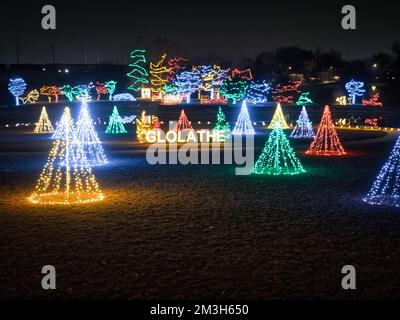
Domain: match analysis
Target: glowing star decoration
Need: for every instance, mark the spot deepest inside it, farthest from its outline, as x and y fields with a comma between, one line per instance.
x=158, y=77
x=385, y=190
x=303, y=128
x=183, y=123
x=342, y=101
x=101, y=89
x=31, y=98
x=373, y=101
x=355, y=89
x=278, y=157
x=111, y=85
x=304, y=99
x=67, y=177
x=17, y=87
x=51, y=91
x=138, y=74
x=235, y=89
x=187, y=82
x=44, y=124
x=146, y=93
x=115, y=125
x=243, y=125
x=258, y=92
x=87, y=137
x=326, y=142
x=285, y=94
x=143, y=125
x=222, y=124
x=124, y=97
x=278, y=117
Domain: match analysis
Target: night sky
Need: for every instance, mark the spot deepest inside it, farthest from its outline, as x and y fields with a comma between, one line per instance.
x=94, y=32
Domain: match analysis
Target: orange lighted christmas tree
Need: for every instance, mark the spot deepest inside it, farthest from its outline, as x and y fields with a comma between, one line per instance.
x=183, y=123
x=326, y=142
x=67, y=177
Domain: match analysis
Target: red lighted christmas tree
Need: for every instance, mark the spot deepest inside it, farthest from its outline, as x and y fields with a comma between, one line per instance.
x=183, y=123
x=326, y=142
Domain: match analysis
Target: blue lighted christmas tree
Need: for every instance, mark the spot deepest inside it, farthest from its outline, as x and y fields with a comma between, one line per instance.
x=303, y=128
x=243, y=125
x=278, y=157
x=17, y=87
x=88, y=138
x=386, y=188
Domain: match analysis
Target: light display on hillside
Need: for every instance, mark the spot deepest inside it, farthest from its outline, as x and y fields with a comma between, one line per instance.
x=243, y=125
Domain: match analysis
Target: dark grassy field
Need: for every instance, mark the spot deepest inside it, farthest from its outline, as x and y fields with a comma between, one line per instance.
x=200, y=231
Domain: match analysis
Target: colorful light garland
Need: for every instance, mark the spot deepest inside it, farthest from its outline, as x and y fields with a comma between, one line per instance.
x=285, y=94
x=44, y=124
x=326, y=142
x=355, y=89
x=174, y=65
x=278, y=157
x=183, y=122
x=373, y=101
x=258, y=92
x=386, y=188
x=303, y=128
x=234, y=89
x=139, y=73
x=17, y=87
x=187, y=82
x=278, y=117
x=88, y=138
x=31, y=98
x=115, y=125
x=304, y=99
x=158, y=78
x=66, y=178
x=243, y=125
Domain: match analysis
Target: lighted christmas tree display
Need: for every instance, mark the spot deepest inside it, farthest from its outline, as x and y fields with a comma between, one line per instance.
x=17, y=87
x=285, y=94
x=67, y=177
x=158, y=77
x=326, y=142
x=303, y=128
x=304, y=99
x=278, y=157
x=222, y=124
x=234, y=89
x=243, y=125
x=258, y=92
x=111, y=85
x=386, y=188
x=183, y=122
x=143, y=125
x=187, y=82
x=139, y=74
x=115, y=125
x=60, y=128
x=87, y=136
x=355, y=89
x=278, y=116
x=44, y=124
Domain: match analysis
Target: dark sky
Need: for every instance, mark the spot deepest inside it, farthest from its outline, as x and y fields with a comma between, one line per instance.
x=107, y=31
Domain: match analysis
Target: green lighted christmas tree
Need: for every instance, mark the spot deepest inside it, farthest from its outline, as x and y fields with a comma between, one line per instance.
x=222, y=124
x=115, y=125
x=278, y=157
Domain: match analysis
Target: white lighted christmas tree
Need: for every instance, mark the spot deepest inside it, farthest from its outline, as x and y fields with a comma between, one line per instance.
x=303, y=128
x=243, y=125
x=44, y=124
x=278, y=116
x=87, y=136
x=67, y=177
